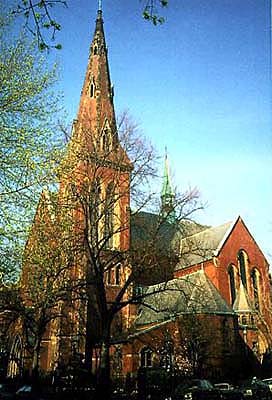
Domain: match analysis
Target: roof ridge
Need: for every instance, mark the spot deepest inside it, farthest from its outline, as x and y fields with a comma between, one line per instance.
x=209, y=229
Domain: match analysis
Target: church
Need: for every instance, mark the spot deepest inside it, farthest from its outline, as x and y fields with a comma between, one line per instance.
x=105, y=281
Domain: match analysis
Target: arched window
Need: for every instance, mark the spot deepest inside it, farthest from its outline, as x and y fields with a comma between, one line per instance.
x=15, y=358
x=113, y=275
x=118, y=274
x=242, y=259
x=105, y=141
x=231, y=274
x=256, y=287
x=109, y=217
x=146, y=357
x=109, y=277
x=106, y=138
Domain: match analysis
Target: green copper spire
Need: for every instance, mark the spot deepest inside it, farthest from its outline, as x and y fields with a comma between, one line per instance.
x=167, y=194
x=166, y=186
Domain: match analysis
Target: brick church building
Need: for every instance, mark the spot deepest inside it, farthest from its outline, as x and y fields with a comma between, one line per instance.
x=197, y=299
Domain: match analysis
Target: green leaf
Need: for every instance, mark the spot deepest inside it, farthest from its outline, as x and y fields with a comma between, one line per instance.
x=43, y=46
x=37, y=16
x=146, y=15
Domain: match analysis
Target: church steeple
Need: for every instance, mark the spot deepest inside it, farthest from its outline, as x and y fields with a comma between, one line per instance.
x=167, y=194
x=96, y=118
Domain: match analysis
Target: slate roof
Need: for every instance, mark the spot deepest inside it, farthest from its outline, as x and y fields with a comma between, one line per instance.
x=146, y=226
x=203, y=245
x=194, y=293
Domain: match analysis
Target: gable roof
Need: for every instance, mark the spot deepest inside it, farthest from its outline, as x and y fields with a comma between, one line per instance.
x=203, y=245
x=194, y=293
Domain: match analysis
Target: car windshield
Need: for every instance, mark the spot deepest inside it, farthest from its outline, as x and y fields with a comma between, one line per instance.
x=222, y=385
x=203, y=384
x=25, y=388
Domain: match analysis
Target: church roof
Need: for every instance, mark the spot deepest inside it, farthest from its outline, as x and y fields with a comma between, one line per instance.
x=194, y=293
x=203, y=245
x=145, y=225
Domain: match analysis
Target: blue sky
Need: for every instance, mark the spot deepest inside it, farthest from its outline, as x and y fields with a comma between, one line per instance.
x=200, y=85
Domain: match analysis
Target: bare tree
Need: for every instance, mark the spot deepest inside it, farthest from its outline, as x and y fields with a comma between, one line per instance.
x=107, y=184
x=41, y=22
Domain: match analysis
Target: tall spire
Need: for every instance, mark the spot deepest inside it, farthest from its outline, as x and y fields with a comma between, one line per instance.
x=167, y=194
x=96, y=116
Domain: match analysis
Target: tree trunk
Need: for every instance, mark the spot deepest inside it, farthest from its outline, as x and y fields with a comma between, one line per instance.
x=103, y=376
x=35, y=362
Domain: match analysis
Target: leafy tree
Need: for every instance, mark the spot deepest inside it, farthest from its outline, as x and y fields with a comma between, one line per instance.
x=29, y=140
x=35, y=303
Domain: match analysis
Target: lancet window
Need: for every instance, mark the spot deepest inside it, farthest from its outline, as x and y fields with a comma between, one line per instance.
x=231, y=273
x=242, y=259
x=146, y=357
x=255, y=280
x=92, y=88
x=106, y=139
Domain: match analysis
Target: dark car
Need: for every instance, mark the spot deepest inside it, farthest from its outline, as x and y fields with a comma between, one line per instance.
x=6, y=392
x=255, y=389
x=229, y=392
x=197, y=389
x=268, y=382
x=25, y=392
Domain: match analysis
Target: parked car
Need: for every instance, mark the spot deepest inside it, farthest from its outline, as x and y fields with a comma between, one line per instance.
x=229, y=392
x=255, y=389
x=6, y=392
x=24, y=392
x=268, y=381
x=197, y=389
